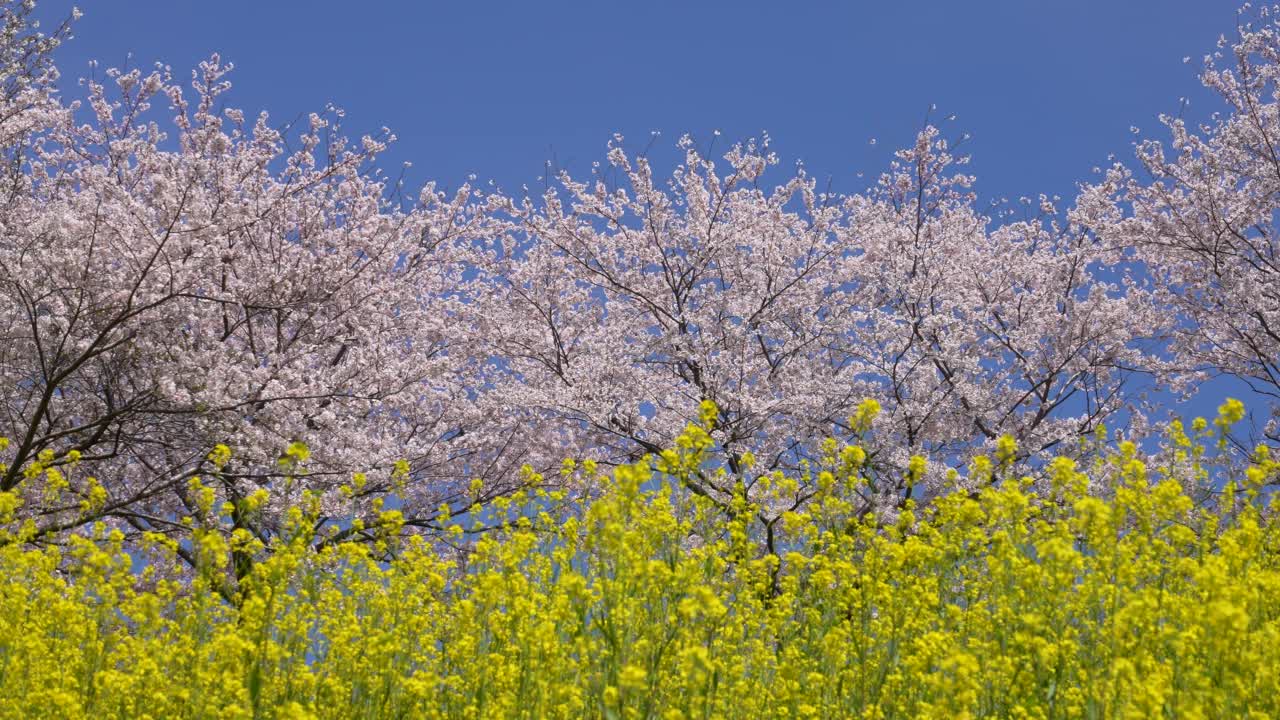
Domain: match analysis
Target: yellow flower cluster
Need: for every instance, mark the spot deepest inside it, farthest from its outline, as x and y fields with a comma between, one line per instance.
x=650, y=602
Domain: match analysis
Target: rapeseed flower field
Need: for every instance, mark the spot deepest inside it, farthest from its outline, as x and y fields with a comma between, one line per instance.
x=1033, y=597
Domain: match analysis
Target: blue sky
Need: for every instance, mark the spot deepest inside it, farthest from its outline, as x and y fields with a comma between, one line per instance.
x=1047, y=89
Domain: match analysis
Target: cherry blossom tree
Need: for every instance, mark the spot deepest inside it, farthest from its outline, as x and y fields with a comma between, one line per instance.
x=616, y=309
x=27, y=79
x=1201, y=214
x=171, y=284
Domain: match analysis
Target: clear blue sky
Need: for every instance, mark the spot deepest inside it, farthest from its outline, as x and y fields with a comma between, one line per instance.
x=1047, y=89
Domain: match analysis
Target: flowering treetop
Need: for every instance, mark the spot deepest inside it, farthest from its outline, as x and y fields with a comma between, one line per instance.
x=617, y=309
x=1201, y=216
